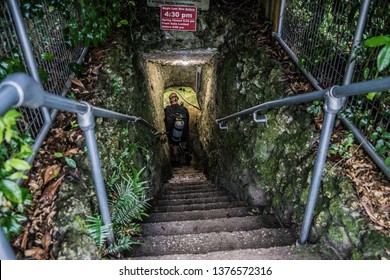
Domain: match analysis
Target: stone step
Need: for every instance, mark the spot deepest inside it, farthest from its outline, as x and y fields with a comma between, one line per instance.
x=204, y=243
x=185, y=187
x=187, y=195
x=191, y=207
x=210, y=225
x=184, y=191
x=293, y=252
x=188, y=183
x=201, y=214
x=189, y=201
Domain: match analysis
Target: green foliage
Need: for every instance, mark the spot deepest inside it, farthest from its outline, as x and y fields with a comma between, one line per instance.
x=127, y=199
x=383, y=59
x=97, y=230
x=68, y=160
x=14, y=148
x=381, y=138
x=126, y=193
x=128, y=202
x=98, y=19
x=343, y=149
x=316, y=107
x=10, y=65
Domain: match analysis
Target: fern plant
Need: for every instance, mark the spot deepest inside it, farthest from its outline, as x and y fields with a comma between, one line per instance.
x=97, y=230
x=128, y=203
x=127, y=199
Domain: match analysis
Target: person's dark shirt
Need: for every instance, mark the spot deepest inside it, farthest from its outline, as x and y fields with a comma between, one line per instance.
x=170, y=112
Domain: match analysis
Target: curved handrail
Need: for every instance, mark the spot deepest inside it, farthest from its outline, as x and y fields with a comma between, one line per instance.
x=334, y=100
x=21, y=90
x=338, y=91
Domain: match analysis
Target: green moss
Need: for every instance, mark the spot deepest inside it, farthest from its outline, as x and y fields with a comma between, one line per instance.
x=339, y=239
x=375, y=245
x=81, y=223
x=276, y=201
x=352, y=228
x=356, y=255
x=304, y=195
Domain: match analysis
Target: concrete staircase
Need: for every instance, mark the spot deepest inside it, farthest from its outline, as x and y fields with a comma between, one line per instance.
x=194, y=219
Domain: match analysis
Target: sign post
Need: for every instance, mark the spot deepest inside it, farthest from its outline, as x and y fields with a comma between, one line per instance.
x=178, y=18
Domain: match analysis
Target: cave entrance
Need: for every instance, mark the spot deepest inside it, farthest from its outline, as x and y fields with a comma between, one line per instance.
x=191, y=73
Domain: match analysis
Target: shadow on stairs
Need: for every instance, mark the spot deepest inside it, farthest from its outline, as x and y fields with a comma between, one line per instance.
x=194, y=219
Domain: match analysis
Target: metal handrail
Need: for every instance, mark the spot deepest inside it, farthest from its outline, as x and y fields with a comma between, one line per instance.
x=333, y=104
x=21, y=90
x=339, y=91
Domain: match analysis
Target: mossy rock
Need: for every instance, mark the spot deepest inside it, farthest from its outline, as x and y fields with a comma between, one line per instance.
x=375, y=245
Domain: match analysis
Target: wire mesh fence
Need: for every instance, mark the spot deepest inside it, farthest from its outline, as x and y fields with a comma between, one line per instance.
x=53, y=56
x=320, y=33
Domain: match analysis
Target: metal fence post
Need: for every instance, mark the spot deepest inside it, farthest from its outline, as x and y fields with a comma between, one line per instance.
x=331, y=108
x=87, y=123
x=359, y=136
x=356, y=41
x=25, y=44
x=6, y=252
x=282, y=7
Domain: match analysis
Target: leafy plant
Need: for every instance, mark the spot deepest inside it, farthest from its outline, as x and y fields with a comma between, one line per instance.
x=10, y=65
x=343, y=149
x=382, y=59
x=316, y=107
x=15, y=147
x=98, y=19
x=72, y=95
x=128, y=202
x=97, y=230
x=127, y=199
x=68, y=160
x=381, y=138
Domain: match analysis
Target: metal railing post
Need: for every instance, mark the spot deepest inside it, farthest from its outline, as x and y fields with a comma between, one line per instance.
x=25, y=44
x=332, y=106
x=6, y=252
x=9, y=97
x=281, y=13
x=364, y=9
x=87, y=123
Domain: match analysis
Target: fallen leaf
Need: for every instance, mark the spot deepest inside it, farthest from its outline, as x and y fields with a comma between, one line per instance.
x=51, y=172
x=95, y=70
x=385, y=209
x=36, y=253
x=24, y=240
x=71, y=152
x=46, y=240
x=77, y=82
x=51, y=190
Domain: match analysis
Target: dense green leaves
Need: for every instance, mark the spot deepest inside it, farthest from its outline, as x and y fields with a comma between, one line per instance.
x=377, y=41
x=11, y=190
x=99, y=19
x=70, y=162
x=13, y=150
x=383, y=60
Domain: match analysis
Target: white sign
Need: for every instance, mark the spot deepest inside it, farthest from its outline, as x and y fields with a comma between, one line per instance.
x=200, y=4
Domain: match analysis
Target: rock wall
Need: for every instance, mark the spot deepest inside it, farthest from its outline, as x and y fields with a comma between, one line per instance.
x=269, y=166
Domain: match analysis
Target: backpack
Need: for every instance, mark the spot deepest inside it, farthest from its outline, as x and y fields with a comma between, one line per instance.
x=178, y=128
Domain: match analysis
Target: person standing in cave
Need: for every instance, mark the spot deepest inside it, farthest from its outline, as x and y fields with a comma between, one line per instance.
x=177, y=121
